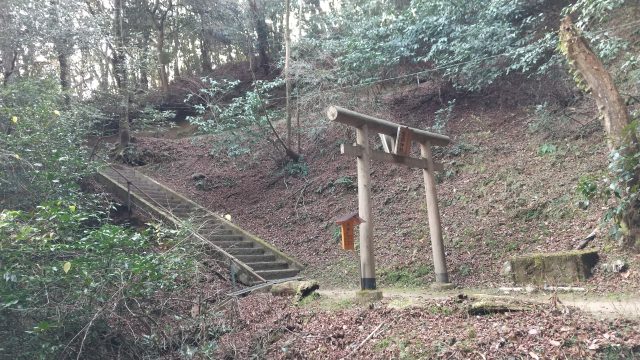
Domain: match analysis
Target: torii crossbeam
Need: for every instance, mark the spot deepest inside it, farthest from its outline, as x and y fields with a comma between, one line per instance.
x=398, y=138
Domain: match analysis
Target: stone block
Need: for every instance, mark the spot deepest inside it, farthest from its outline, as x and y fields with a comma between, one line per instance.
x=559, y=268
x=368, y=296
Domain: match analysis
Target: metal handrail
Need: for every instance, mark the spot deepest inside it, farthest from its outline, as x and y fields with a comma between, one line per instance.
x=179, y=222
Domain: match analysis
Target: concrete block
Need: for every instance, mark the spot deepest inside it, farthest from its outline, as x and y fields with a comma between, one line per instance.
x=368, y=296
x=559, y=268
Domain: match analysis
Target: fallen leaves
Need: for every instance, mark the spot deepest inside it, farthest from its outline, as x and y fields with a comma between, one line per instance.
x=435, y=329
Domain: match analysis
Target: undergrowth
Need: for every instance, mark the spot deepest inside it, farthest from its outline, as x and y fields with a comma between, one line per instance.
x=74, y=285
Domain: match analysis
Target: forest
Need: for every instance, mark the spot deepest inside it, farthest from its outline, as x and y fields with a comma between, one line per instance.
x=175, y=179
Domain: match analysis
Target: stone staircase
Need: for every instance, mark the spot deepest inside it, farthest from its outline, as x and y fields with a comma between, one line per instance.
x=251, y=260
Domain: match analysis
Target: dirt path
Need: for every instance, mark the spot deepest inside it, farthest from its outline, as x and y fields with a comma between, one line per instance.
x=600, y=306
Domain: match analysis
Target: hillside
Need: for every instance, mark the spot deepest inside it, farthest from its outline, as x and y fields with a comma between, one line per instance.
x=225, y=102
x=508, y=188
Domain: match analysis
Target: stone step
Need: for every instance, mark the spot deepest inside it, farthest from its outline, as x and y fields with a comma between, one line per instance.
x=245, y=251
x=151, y=193
x=256, y=258
x=234, y=244
x=216, y=238
x=184, y=214
x=209, y=226
x=277, y=274
x=210, y=233
x=118, y=171
x=268, y=265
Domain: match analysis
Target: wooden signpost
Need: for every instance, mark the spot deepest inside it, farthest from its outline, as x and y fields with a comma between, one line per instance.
x=347, y=227
x=396, y=138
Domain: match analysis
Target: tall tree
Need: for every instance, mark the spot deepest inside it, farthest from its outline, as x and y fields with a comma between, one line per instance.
x=63, y=44
x=205, y=46
x=8, y=44
x=120, y=70
x=159, y=13
x=260, y=24
x=287, y=69
x=621, y=137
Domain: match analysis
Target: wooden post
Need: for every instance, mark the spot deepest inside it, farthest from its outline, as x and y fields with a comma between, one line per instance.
x=367, y=264
x=434, y=215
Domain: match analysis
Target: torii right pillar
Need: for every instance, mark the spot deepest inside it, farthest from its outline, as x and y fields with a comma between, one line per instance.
x=435, y=228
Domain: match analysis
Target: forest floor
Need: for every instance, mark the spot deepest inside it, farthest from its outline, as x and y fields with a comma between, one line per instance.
x=610, y=306
x=509, y=187
x=414, y=325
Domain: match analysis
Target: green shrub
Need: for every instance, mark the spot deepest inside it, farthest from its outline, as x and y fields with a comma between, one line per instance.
x=348, y=182
x=42, y=152
x=295, y=168
x=406, y=276
x=243, y=122
x=587, y=187
x=70, y=277
x=150, y=118
x=547, y=149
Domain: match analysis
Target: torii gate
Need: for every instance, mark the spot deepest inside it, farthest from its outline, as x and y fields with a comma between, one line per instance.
x=397, y=140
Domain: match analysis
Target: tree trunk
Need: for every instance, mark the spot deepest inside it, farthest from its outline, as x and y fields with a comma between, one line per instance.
x=205, y=49
x=160, y=23
x=144, y=63
x=263, y=36
x=162, y=61
x=287, y=75
x=621, y=137
x=62, y=48
x=63, y=61
x=120, y=71
x=8, y=47
x=176, y=45
x=9, y=60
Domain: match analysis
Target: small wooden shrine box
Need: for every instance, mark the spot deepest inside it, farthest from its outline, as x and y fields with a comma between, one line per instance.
x=347, y=226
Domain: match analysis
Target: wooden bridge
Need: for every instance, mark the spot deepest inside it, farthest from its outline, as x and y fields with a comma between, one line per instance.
x=252, y=260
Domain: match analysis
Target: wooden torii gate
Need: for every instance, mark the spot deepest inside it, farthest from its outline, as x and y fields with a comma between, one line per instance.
x=397, y=140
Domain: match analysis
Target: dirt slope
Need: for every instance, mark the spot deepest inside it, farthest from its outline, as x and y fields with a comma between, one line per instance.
x=506, y=190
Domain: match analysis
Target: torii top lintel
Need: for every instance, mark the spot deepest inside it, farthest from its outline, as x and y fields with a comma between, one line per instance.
x=352, y=118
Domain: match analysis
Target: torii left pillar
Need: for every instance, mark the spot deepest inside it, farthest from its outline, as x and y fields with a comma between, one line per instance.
x=367, y=262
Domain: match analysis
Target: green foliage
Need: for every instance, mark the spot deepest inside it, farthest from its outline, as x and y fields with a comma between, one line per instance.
x=587, y=187
x=337, y=234
x=151, y=118
x=456, y=38
x=442, y=116
x=465, y=270
x=76, y=273
x=406, y=276
x=592, y=11
x=348, y=182
x=242, y=121
x=623, y=167
x=295, y=168
x=547, y=149
x=42, y=155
